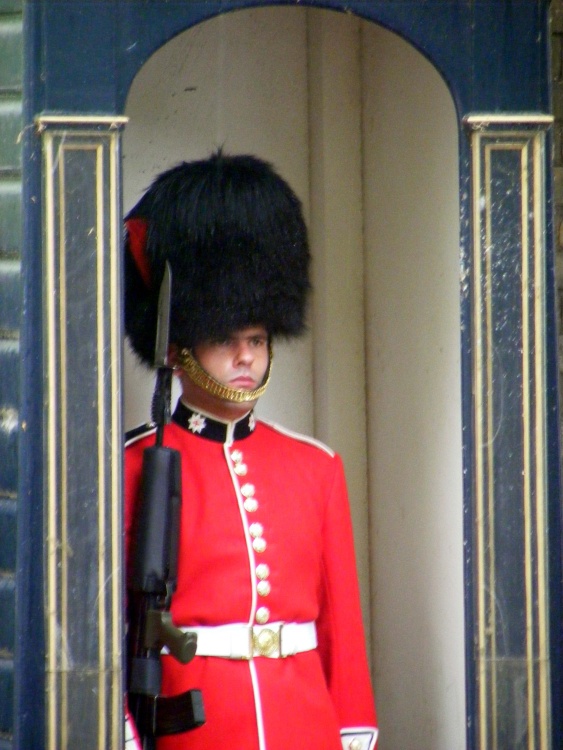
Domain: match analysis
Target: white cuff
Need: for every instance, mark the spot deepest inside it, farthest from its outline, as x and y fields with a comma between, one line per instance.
x=132, y=740
x=358, y=738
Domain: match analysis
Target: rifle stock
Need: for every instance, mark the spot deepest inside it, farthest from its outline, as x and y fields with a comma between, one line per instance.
x=152, y=581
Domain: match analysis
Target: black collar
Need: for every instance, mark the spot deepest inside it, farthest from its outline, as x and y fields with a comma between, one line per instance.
x=206, y=426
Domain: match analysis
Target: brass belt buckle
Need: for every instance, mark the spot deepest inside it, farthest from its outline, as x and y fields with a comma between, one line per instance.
x=267, y=642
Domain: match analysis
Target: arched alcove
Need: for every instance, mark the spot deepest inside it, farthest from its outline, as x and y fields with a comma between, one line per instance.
x=365, y=130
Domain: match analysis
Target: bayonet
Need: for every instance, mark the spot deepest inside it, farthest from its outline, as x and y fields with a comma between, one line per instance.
x=160, y=411
x=163, y=319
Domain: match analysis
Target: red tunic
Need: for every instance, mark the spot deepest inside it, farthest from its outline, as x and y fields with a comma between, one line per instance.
x=243, y=482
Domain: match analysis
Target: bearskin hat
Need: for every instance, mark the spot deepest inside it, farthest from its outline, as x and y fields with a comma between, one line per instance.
x=233, y=232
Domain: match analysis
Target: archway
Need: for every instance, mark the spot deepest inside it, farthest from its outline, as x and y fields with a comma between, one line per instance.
x=365, y=130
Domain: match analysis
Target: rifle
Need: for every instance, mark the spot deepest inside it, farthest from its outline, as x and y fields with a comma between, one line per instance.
x=153, y=573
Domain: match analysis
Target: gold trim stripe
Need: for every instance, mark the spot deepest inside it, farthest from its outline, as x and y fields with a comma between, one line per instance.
x=490, y=563
x=62, y=458
x=527, y=449
x=45, y=121
x=478, y=120
x=479, y=468
x=51, y=462
x=116, y=431
x=539, y=209
x=103, y=499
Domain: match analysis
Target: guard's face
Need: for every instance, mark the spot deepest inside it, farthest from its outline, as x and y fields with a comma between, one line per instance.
x=239, y=361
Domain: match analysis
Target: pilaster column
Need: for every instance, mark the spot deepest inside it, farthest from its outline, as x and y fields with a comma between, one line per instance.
x=82, y=437
x=510, y=554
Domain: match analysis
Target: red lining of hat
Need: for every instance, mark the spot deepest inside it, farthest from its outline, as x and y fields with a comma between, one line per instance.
x=137, y=231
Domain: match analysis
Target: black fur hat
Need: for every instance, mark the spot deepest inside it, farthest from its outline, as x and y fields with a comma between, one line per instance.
x=233, y=232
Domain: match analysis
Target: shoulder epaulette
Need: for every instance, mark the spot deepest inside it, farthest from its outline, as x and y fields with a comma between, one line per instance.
x=298, y=436
x=131, y=436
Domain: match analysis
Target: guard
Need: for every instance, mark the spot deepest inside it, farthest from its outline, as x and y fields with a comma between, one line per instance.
x=266, y=569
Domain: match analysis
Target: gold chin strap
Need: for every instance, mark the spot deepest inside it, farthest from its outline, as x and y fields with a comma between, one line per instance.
x=203, y=379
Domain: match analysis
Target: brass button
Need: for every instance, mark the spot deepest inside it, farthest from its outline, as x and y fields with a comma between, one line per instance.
x=356, y=744
x=263, y=588
x=240, y=470
x=247, y=490
x=256, y=529
x=259, y=544
x=236, y=456
x=262, y=615
x=250, y=505
x=262, y=571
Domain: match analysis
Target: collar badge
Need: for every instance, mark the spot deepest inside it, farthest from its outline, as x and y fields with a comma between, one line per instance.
x=196, y=422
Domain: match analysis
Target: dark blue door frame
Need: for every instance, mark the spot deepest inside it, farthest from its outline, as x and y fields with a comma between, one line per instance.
x=81, y=58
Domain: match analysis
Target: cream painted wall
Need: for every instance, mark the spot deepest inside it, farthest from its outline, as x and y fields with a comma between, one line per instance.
x=414, y=422
x=364, y=130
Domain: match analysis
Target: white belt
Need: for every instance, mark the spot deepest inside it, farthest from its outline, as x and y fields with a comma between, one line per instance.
x=239, y=641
